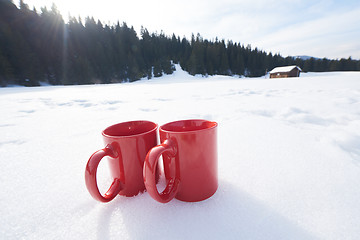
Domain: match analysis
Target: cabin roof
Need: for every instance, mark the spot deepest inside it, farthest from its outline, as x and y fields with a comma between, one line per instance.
x=284, y=69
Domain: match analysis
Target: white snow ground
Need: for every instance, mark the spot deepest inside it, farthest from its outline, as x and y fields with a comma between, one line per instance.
x=289, y=159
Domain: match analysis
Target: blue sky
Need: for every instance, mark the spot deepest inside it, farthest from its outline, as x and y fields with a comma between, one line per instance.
x=290, y=27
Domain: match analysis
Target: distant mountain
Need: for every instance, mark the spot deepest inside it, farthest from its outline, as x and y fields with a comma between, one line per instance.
x=304, y=57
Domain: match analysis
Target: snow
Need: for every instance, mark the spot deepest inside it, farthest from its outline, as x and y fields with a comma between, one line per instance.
x=284, y=69
x=289, y=158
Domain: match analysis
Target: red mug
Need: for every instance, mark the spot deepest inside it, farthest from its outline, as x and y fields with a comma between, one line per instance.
x=189, y=151
x=126, y=144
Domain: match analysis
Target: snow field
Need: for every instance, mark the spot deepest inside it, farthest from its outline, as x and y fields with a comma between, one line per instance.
x=289, y=158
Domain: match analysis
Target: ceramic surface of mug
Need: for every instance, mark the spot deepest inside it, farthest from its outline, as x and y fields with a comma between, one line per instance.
x=189, y=150
x=126, y=145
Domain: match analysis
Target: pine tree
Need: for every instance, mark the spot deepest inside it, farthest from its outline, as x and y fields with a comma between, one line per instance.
x=224, y=63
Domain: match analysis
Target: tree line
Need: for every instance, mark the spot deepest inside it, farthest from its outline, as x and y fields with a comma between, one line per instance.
x=40, y=47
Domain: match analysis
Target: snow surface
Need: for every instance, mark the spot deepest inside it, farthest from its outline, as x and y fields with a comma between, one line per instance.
x=289, y=158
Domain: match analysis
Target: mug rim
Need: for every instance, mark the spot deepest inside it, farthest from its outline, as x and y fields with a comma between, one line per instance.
x=161, y=128
x=155, y=126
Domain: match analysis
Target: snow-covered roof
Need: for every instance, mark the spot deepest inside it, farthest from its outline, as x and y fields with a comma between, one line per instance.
x=284, y=69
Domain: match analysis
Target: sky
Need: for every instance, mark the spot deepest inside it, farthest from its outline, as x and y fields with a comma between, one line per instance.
x=325, y=28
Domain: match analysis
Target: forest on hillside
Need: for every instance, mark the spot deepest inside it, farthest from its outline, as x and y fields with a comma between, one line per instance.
x=38, y=46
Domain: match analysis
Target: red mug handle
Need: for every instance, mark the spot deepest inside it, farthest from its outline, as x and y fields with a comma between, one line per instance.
x=90, y=176
x=149, y=171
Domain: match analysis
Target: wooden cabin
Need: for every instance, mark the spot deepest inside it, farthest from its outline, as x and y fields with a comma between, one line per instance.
x=284, y=72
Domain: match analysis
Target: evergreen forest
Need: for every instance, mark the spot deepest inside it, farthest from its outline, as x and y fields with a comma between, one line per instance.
x=38, y=46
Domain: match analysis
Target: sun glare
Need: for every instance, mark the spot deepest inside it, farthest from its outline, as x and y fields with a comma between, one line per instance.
x=108, y=12
x=66, y=7
x=70, y=8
